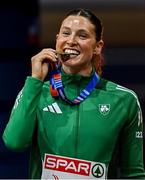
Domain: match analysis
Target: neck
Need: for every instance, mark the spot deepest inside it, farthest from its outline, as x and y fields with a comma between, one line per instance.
x=83, y=71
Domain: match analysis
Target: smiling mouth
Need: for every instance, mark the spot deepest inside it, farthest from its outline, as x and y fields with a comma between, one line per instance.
x=65, y=56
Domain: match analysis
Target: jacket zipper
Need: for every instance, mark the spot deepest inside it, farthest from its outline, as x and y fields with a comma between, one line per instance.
x=77, y=126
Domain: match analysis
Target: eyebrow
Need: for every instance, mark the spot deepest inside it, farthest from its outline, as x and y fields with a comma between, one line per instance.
x=65, y=27
x=80, y=30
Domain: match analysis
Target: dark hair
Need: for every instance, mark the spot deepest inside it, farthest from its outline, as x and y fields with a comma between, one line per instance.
x=99, y=60
x=91, y=17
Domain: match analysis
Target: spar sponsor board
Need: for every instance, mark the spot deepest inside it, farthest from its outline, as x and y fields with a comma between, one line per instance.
x=61, y=167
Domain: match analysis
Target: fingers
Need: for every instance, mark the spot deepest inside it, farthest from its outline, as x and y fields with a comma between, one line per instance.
x=40, y=62
x=46, y=54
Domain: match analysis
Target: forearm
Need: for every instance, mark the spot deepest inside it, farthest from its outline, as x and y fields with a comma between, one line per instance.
x=132, y=150
x=19, y=130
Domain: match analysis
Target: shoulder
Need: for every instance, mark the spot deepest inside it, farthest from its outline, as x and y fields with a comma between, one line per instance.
x=117, y=90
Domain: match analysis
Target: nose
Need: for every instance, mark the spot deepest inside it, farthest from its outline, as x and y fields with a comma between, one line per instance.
x=71, y=40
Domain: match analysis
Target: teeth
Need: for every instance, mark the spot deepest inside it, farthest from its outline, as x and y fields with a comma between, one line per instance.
x=71, y=51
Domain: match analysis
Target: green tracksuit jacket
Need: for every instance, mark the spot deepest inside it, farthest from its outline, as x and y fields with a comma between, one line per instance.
x=108, y=121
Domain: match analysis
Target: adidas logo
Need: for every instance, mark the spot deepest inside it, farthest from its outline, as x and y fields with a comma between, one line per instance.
x=54, y=108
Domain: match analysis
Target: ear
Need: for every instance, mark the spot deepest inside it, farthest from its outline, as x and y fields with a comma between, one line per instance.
x=56, y=36
x=99, y=46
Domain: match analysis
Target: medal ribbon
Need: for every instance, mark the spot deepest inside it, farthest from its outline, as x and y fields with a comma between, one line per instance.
x=57, y=90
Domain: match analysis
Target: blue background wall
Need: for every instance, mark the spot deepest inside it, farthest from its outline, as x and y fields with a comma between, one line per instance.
x=18, y=42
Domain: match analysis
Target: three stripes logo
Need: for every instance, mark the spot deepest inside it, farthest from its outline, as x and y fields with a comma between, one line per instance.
x=18, y=99
x=54, y=108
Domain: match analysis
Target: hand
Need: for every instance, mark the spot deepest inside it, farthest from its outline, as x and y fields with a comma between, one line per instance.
x=40, y=63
